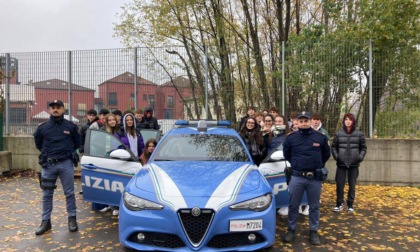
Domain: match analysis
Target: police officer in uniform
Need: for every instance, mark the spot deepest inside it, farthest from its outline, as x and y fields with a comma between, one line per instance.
x=57, y=139
x=307, y=150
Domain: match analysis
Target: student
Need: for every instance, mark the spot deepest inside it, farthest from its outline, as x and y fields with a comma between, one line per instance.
x=250, y=113
x=348, y=149
x=251, y=135
x=149, y=148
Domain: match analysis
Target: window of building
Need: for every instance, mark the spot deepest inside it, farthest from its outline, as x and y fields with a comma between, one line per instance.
x=170, y=101
x=17, y=115
x=66, y=108
x=144, y=97
x=168, y=114
x=152, y=101
x=112, y=99
x=81, y=109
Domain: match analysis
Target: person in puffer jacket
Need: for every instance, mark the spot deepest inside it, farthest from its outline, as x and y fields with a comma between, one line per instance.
x=348, y=149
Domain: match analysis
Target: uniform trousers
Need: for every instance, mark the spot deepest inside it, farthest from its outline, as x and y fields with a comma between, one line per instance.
x=65, y=171
x=297, y=186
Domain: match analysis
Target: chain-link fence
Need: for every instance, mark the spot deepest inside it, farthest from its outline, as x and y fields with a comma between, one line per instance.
x=326, y=76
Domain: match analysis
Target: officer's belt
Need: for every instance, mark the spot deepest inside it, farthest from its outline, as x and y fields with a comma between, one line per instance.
x=303, y=173
x=56, y=160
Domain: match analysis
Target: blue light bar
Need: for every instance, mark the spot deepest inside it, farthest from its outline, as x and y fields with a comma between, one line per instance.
x=209, y=123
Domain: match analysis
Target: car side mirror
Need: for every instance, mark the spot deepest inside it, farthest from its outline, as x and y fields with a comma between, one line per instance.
x=120, y=154
x=277, y=156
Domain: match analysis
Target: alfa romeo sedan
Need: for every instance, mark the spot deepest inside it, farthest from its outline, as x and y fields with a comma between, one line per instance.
x=200, y=190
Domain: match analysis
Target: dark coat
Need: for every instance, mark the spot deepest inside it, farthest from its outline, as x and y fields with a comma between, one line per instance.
x=349, y=147
x=306, y=149
x=57, y=138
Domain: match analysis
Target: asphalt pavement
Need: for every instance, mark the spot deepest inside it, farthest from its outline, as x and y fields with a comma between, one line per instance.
x=388, y=228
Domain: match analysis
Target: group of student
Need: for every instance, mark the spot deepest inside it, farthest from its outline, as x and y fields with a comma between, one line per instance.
x=126, y=127
x=264, y=131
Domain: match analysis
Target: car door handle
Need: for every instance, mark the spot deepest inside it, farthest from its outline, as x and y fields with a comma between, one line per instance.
x=90, y=166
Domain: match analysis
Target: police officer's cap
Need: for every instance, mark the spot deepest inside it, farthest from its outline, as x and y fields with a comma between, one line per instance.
x=304, y=114
x=56, y=102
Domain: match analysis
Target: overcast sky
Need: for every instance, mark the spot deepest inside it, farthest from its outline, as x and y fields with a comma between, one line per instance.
x=58, y=25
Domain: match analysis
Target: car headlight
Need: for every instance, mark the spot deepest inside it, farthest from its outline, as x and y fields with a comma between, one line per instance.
x=137, y=204
x=257, y=204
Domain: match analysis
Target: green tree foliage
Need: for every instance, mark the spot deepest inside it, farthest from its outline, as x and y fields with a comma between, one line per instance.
x=327, y=53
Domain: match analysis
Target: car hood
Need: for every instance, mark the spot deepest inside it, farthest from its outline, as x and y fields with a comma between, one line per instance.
x=214, y=182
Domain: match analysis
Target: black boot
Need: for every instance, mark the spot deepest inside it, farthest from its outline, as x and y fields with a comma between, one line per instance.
x=73, y=224
x=314, y=238
x=44, y=227
x=290, y=236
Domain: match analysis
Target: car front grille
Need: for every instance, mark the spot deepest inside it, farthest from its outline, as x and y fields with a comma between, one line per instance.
x=233, y=240
x=158, y=240
x=195, y=227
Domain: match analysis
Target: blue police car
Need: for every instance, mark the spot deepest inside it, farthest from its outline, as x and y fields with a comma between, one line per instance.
x=200, y=190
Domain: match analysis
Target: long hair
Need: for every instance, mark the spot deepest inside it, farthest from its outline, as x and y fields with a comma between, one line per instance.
x=287, y=130
x=255, y=133
x=109, y=128
x=130, y=130
x=146, y=153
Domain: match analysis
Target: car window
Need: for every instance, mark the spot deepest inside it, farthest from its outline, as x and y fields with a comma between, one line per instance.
x=201, y=147
x=147, y=134
x=101, y=144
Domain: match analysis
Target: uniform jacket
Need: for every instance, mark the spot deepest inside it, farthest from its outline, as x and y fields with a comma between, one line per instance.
x=349, y=147
x=306, y=149
x=57, y=138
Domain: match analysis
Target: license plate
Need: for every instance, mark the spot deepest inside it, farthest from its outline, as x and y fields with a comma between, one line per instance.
x=245, y=225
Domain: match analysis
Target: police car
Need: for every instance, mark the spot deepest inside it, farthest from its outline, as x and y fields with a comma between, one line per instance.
x=200, y=190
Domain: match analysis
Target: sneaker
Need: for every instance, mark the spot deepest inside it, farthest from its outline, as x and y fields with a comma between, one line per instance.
x=338, y=208
x=350, y=210
x=290, y=236
x=314, y=238
x=115, y=212
x=284, y=211
x=305, y=210
x=105, y=209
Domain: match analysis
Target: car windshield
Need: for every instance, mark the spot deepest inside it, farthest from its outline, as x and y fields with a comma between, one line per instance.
x=201, y=147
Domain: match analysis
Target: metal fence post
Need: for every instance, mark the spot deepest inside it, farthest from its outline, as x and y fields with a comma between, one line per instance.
x=370, y=91
x=135, y=78
x=206, y=65
x=69, y=73
x=7, y=107
x=283, y=109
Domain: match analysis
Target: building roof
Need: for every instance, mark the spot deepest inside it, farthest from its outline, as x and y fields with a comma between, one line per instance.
x=58, y=84
x=180, y=82
x=20, y=93
x=128, y=78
